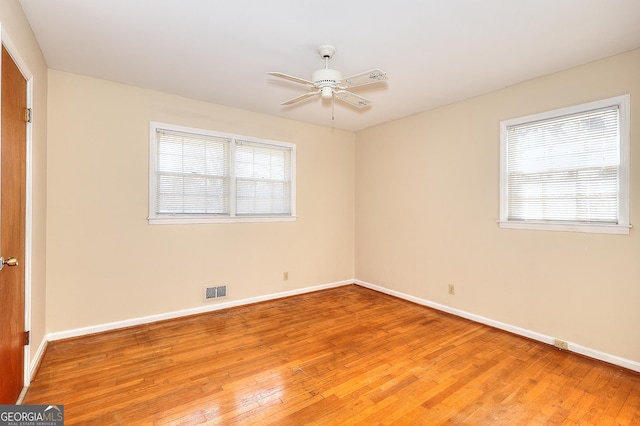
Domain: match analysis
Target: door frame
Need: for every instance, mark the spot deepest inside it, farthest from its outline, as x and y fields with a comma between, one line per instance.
x=13, y=51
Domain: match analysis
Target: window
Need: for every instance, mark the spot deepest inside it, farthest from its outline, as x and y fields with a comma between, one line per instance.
x=568, y=169
x=199, y=176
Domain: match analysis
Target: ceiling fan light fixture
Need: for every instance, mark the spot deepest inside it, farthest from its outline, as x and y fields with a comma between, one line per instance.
x=328, y=83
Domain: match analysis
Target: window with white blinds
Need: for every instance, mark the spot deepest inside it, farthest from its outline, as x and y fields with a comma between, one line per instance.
x=192, y=173
x=263, y=179
x=567, y=169
x=199, y=176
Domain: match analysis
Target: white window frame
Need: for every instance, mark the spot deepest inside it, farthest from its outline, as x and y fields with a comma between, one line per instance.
x=623, y=225
x=155, y=218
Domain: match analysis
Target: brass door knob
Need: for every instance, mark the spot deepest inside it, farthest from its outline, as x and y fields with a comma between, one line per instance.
x=12, y=261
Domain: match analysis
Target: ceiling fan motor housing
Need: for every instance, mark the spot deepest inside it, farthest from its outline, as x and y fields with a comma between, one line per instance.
x=326, y=80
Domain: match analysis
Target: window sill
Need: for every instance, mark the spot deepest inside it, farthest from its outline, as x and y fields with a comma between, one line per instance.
x=567, y=227
x=176, y=220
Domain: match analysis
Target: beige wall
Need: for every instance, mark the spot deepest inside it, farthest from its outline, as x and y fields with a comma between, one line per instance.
x=427, y=194
x=17, y=32
x=106, y=263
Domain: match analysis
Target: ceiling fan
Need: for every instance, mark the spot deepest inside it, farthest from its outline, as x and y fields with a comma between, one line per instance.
x=329, y=84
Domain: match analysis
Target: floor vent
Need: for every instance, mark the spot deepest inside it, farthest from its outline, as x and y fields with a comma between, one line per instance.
x=221, y=291
x=215, y=292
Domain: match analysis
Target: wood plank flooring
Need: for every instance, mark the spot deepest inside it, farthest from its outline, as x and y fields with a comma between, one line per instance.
x=344, y=356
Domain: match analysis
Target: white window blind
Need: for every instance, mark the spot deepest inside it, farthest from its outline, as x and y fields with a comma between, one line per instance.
x=199, y=176
x=192, y=173
x=263, y=179
x=568, y=168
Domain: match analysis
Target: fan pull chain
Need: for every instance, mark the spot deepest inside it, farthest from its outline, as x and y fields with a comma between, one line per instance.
x=333, y=97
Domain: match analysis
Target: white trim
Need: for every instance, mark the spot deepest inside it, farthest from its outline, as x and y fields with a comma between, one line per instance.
x=13, y=51
x=37, y=357
x=166, y=220
x=15, y=55
x=587, y=106
x=625, y=145
x=573, y=347
x=568, y=227
x=23, y=393
x=186, y=312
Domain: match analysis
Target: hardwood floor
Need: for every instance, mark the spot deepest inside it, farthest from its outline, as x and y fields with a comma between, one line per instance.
x=344, y=356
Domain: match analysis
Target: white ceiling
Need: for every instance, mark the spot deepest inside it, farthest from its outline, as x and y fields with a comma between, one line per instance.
x=435, y=52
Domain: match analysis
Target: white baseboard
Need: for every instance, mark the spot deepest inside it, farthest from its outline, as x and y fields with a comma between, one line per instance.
x=573, y=347
x=35, y=362
x=32, y=367
x=186, y=312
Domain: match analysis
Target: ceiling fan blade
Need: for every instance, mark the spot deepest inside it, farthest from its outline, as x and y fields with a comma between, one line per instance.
x=351, y=98
x=292, y=78
x=300, y=98
x=368, y=77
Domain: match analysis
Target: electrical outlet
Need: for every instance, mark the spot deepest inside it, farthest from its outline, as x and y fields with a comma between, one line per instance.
x=285, y=276
x=452, y=289
x=561, y=344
